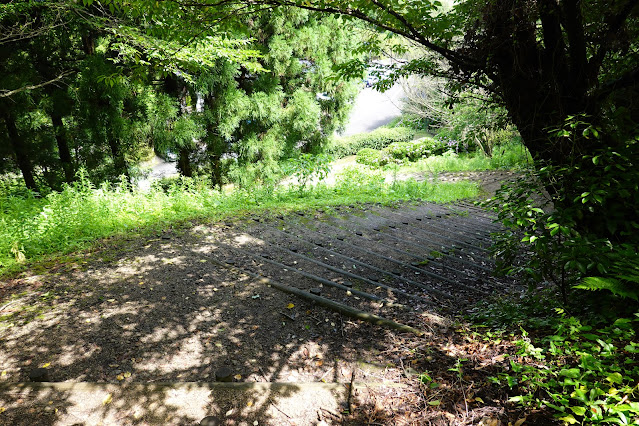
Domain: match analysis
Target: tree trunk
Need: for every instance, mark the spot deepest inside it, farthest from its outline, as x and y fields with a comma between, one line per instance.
x=119, y=162
x=19, y=150
x=184, y=163
x=63, y=147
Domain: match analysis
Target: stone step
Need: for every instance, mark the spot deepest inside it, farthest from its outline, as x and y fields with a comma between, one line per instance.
x=178, y=403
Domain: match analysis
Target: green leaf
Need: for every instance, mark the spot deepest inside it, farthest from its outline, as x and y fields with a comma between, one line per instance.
x=569, y=419
x=615, y=378
x=610, y=284
x=573, y=373
x=580, y=411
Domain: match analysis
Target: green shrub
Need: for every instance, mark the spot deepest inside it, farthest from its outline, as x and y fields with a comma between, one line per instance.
x=399, y=150
x=372, y=157
x=432, y=146
x=415, y=150
x=377, y=139
x=307, y=167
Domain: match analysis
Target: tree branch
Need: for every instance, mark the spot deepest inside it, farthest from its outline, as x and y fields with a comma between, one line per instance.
x=409, y=31
x=7, y=93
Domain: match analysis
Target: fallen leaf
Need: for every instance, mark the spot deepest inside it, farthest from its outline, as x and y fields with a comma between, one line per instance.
x=290, y=306
x=238, y=377
x=202, y=260
x=319, y=363
x=435, y=402
x=4, y=373
x=119, y=377
x=46, y=365
x=2, y=410
x=107, y=400
x=520, y=421
x=127, y=374
x=249, y=404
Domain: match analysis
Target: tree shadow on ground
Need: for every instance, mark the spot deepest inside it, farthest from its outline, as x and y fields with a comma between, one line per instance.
x=157, y=312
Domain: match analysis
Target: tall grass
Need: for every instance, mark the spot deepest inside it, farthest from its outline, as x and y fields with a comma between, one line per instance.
x=76, y=217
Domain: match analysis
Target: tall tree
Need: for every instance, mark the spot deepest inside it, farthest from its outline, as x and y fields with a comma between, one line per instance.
x=544, y=60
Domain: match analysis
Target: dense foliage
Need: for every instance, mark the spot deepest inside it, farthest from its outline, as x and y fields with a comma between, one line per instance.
x=543, y=61
x=589, y=376
x=100, y=86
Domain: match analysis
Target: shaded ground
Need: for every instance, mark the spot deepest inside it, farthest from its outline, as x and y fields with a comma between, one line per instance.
x=182, y=306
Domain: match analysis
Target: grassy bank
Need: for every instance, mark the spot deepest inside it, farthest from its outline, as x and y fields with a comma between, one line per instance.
x=61, y=222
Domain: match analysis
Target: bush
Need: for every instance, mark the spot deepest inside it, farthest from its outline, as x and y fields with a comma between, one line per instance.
x=372, y=157
x=584, y=233
x=399, y=150
x=377, y=139
x=415, y=150
x=434, y=146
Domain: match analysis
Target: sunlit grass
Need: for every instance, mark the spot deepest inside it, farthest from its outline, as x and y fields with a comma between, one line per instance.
x=80, y=215
x=510, y=156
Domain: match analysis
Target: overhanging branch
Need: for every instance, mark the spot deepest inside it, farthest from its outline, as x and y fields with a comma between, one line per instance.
x=8, y=93
x=408, y=31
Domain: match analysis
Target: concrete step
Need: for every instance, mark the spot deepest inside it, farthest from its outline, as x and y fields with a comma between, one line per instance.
x=179, y=403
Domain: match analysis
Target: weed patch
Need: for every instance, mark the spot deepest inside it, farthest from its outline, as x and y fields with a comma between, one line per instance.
x=587, y=374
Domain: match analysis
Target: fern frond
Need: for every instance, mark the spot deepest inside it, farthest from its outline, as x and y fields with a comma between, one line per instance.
x=616, y=287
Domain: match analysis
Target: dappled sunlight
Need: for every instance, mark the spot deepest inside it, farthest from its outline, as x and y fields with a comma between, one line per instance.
x=181, y=312
x=248, y=240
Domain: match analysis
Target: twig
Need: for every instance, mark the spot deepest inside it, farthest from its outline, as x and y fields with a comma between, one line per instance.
x=350, y=392
x=8, y=304
x=317, y=320
x=278, y=408
x=327, y=371
x=262, y=373
x=7, y=93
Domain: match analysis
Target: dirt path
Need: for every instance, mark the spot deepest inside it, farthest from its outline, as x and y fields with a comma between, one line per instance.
x=187, y=307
